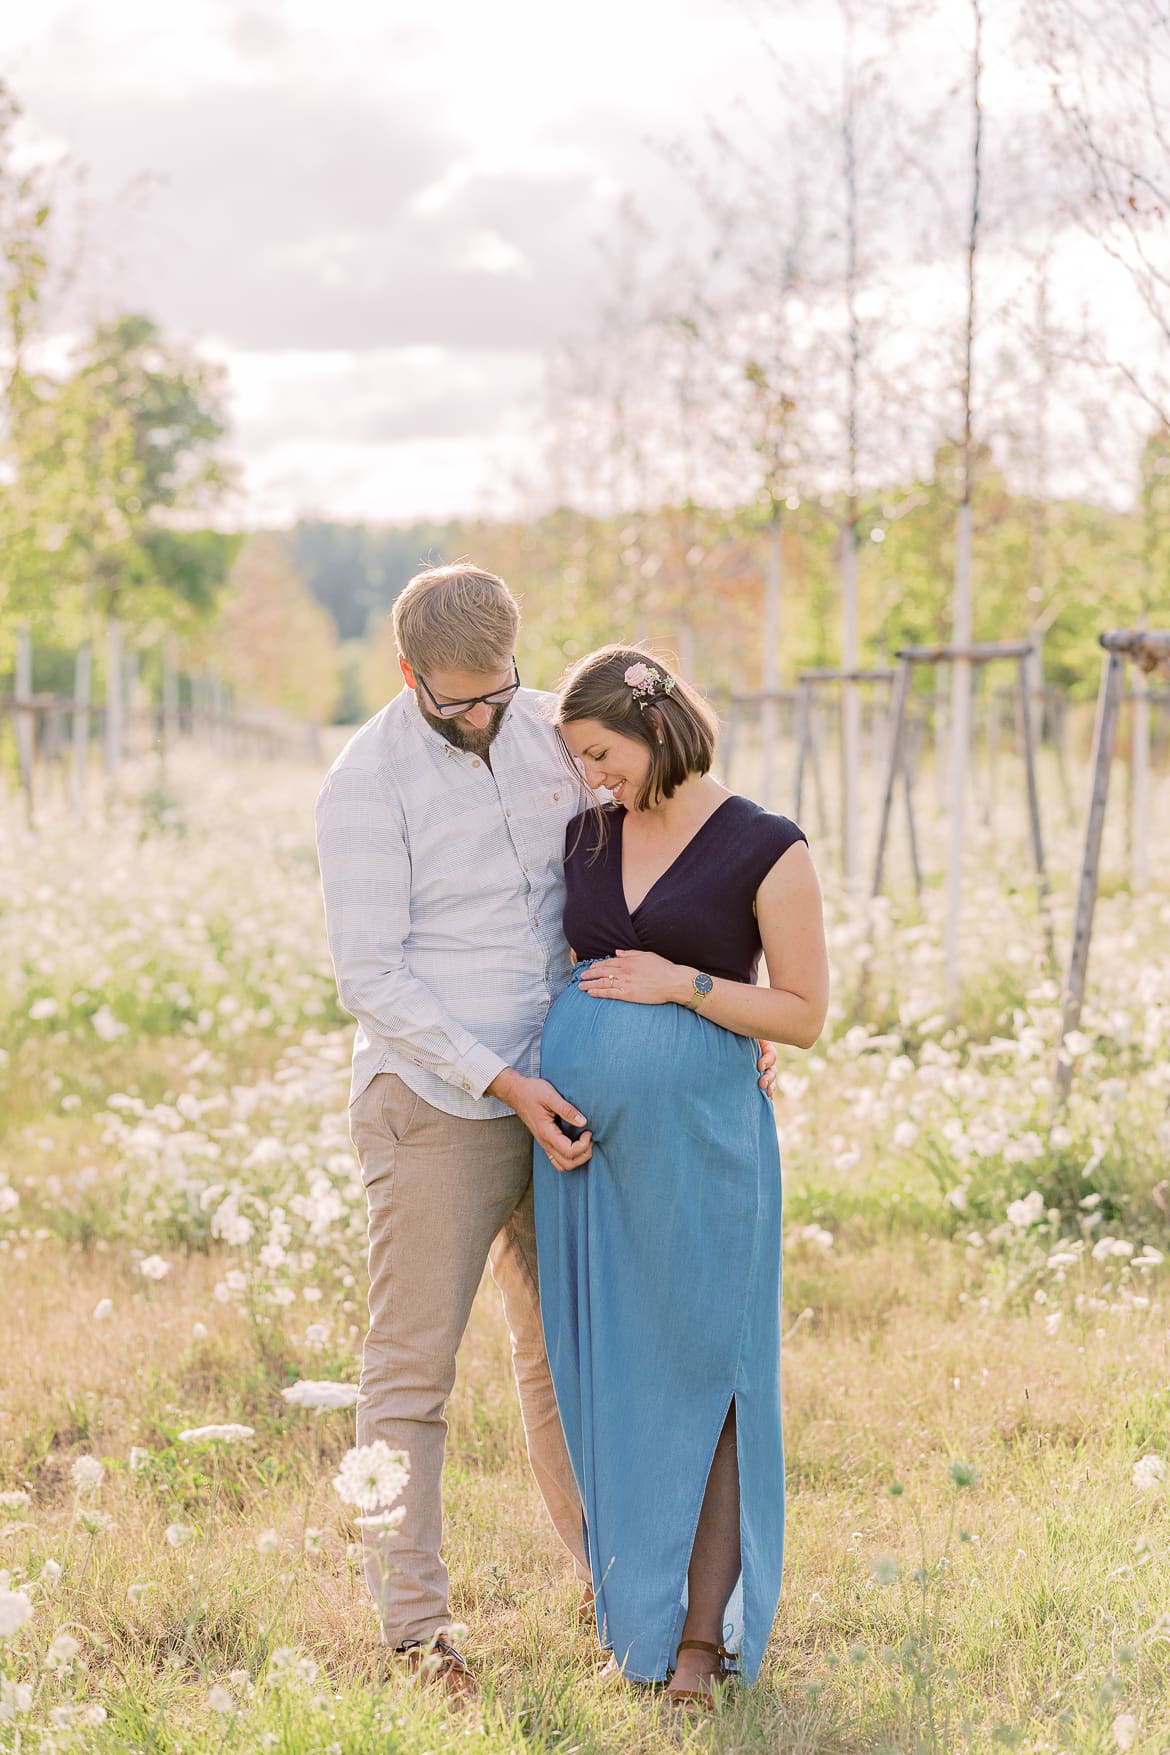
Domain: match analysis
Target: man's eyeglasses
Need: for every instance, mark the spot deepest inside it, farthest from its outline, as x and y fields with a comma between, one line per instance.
x=452, y=709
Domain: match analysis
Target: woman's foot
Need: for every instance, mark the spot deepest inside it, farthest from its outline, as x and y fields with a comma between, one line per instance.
x=700, y=1674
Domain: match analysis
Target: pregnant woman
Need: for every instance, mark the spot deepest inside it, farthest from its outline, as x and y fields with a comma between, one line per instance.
x=660, y=1261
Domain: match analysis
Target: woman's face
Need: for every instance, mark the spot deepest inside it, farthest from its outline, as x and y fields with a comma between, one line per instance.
x=608, y=758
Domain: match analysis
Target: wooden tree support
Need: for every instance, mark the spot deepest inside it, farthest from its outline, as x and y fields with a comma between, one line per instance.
x=807, y=743
x=1150, y=651
x=979, y=653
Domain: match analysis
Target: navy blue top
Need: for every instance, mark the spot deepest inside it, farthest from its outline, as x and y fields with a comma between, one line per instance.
x=699, y=912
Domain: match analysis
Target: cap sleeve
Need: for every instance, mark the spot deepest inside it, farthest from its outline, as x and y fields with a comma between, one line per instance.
x=773, y=836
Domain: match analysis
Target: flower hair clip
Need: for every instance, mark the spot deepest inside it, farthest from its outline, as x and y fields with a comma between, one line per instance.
x=644, y=682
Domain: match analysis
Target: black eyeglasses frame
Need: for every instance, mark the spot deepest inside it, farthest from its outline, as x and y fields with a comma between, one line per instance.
x=453, y=709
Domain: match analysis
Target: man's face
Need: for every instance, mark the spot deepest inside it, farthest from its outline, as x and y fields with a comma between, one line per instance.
x=474, y=730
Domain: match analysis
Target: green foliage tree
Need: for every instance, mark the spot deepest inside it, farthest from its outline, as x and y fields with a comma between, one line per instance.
x=273, y=643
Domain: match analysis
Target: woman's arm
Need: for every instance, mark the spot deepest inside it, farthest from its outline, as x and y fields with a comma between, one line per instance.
x=790, y=1009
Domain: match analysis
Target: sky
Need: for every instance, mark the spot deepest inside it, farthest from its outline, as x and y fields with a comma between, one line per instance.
x=384, y=218
x=380, y=223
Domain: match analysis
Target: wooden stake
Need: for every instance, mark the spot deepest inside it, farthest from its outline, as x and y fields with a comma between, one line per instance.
x=893, y=769
x=82, y=695
x=1104, y=737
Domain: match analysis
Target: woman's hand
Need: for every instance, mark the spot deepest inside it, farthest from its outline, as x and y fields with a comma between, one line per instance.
x=639, y=977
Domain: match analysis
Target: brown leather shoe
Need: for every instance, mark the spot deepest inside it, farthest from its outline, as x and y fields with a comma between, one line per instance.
x=435, y=1662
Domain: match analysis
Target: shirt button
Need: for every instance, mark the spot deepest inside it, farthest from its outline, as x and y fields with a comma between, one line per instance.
x=507, y=813
x=475, y=762
x=556, y=797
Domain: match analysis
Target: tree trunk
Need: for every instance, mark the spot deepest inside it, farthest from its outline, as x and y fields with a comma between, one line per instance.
x=960, y=738
x=114, y=722
x=770, y=712
x=23, y=717
x=1139, y=803
x=850, y=717
x=82, y=696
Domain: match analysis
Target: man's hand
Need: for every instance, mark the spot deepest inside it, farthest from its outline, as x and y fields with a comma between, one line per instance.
x=767, y=1067
x=538, y=1104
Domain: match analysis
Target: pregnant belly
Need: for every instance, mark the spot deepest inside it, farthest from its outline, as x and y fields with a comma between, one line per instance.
x=645, y=1066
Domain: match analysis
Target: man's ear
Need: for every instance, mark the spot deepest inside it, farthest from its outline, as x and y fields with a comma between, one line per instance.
x=407, y=671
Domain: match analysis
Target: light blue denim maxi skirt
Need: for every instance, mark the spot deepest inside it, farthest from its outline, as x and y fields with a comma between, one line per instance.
x=660, y=1290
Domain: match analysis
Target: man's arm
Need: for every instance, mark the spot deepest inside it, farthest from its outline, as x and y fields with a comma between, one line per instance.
x=365, y=876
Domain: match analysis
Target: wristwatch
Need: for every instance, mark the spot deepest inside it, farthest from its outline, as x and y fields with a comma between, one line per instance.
x=701, y=986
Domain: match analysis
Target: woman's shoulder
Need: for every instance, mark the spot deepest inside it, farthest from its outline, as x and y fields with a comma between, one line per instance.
x=767, y=829
x=589, y=831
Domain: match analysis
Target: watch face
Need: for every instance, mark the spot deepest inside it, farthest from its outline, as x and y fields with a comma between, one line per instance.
x=703, y=984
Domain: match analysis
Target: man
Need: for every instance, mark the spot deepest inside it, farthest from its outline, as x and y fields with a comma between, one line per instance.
x=440, y=832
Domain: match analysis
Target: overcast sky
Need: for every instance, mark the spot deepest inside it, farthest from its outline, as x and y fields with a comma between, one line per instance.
x=379, y=222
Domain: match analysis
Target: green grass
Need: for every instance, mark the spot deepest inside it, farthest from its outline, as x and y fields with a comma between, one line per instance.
x=924, y=1328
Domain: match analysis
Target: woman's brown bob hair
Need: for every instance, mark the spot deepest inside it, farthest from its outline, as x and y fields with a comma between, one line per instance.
x=678, y=729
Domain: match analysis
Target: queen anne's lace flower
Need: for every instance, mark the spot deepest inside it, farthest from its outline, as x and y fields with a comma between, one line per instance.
x=86, y=1473
x=1149, y=1472
x=307, y=1394
x=215, y=1434
x=15, y=1610
x=371, y=1475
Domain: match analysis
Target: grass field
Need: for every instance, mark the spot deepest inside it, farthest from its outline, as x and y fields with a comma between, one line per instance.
x=976, y=1368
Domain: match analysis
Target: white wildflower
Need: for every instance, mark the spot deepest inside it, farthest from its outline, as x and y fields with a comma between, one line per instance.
x=179, y=1534
x=267, y=1542
x=106, y=1025
x=1149, y=1472
x=307, y=1394
x=381, y=1520
x=63, y=1651
x=885, y=1569
x=371, y=1475
x=219, y=1699
x=15, y=1609
x=154, y=1267
x=86, y=1473
x=1026, y=1212
x=16, y=1500
x=103, y=1310
x=1125, y=1730
x=215, y=1434
x=14, y=1697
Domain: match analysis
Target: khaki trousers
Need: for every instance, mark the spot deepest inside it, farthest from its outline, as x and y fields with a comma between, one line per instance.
x=446, y=1196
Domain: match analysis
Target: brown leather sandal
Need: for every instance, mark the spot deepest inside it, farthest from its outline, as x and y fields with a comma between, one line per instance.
x=728, y=1666
x=436, y=1660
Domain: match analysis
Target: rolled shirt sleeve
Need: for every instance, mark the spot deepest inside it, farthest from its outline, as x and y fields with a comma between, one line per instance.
x=365, y=875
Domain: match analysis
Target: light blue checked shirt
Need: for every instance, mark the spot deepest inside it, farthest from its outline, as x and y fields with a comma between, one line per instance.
x=444, y=889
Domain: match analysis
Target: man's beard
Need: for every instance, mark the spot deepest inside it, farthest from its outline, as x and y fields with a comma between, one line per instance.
x=461, y=737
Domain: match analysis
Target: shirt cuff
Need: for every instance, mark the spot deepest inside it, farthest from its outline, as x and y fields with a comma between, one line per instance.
x=475, y=1070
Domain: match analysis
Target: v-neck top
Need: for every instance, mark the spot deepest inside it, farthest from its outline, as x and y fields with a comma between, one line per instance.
x=699, y=912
